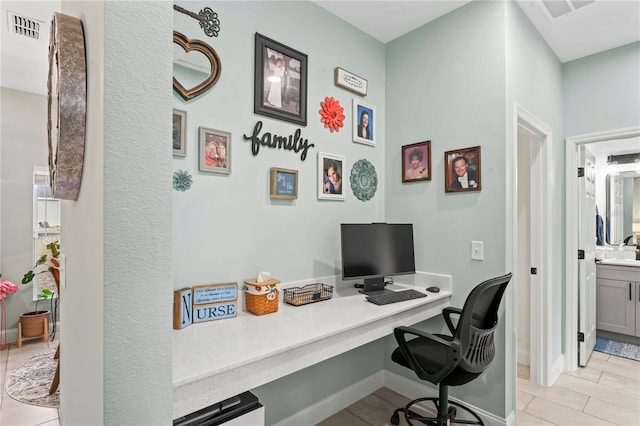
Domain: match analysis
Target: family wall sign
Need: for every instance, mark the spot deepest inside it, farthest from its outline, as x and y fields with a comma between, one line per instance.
x=292, y=142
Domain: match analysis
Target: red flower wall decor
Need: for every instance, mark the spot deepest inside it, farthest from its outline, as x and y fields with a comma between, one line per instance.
x=332, y=114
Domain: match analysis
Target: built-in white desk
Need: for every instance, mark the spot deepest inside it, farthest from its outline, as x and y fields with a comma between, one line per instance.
x=216, y=360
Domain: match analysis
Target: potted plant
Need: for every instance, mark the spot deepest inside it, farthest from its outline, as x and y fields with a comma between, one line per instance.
x=35, y=323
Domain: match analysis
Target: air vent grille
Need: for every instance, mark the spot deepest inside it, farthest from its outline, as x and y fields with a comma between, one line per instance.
x=556, y=8
x=24, y=26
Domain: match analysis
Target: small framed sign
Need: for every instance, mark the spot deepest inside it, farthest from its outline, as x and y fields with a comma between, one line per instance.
x=349, y=81
x=284, y=183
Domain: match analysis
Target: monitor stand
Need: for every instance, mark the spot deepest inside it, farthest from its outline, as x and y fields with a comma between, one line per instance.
x=374, y=286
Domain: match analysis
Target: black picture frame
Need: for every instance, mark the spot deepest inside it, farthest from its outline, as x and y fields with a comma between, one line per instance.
x=280, y=88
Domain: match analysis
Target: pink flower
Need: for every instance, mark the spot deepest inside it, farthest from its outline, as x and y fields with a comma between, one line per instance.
x=7, y=287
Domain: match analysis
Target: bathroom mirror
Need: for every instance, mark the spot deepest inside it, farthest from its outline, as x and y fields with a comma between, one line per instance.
x=623, y=195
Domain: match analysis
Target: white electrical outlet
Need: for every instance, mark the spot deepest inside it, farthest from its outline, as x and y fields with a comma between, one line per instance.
x=477, y=250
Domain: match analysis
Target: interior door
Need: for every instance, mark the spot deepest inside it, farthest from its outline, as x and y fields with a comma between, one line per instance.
x=587, y=265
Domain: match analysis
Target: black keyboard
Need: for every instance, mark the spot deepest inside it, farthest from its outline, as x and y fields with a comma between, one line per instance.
x=396, y=296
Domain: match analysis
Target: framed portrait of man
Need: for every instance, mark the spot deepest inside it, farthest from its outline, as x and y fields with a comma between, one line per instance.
x=462, y=170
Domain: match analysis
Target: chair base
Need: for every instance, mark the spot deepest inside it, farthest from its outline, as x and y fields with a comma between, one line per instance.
x=446, y=414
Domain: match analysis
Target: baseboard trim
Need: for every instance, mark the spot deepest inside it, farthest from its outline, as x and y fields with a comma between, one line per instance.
x=324, y=408
x=556, y=369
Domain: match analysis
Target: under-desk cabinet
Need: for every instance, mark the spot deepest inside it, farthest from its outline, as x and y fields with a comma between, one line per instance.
x=618, y=299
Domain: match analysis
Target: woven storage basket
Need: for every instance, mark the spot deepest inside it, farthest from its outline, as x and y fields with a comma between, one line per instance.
x=263, y=303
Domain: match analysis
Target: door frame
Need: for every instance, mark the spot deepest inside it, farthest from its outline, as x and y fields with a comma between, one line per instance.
x=541, y=303
x=571, y=234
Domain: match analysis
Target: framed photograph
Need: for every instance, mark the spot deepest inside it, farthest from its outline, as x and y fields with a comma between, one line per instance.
x=462, y=170
x=215, y=151
x=331, y=184
x=179, y=133
x=349, y=81
x=284, y=183
x=416, y=162
x=280, y=89
x=364, y=128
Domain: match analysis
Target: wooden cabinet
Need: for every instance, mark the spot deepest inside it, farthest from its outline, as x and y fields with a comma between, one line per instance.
x=618, y=299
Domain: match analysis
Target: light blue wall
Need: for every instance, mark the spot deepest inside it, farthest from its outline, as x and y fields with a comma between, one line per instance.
x=602, y=91
x=446, y=84
x=226, y=227
x=534, y=82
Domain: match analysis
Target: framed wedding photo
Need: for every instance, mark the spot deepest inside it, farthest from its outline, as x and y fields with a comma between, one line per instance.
x=215, y=151
x=416, y=162
x=284, y=183
x=331, y=183
x=179, y=133
x=280, y=88
x=462, y=170
x=364, y=116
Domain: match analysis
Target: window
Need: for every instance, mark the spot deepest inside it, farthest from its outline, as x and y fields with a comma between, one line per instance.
x=46, y=227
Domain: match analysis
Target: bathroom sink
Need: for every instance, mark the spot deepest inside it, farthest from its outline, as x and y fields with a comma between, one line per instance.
x=621, y=262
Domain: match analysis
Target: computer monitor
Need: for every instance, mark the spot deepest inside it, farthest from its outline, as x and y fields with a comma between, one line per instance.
x=372, y=251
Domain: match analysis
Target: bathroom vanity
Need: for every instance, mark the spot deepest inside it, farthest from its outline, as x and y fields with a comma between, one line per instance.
x=618, y=296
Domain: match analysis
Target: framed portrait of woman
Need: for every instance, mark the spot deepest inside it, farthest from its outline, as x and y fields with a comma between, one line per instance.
x=416, y=162
x=215, y=151
x=462, y=170
x=280, y=90
x=331, y=182
x=364, y=127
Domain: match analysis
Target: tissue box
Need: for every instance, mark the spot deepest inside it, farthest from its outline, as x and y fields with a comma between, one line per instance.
x=261, y=298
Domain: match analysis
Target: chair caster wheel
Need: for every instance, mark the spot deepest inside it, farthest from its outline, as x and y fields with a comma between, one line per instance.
x=395, y=419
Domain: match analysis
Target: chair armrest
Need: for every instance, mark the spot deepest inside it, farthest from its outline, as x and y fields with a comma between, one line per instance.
x=446, y=313
x=448, y=348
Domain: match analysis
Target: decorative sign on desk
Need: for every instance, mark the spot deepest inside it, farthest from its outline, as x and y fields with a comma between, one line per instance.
x=204, y=303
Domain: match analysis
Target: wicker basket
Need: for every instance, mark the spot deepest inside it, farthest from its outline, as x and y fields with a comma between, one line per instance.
x=261, y=304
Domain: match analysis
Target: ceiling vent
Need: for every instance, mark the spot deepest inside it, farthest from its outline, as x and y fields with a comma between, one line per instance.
x=23, y=25
x=554, y=9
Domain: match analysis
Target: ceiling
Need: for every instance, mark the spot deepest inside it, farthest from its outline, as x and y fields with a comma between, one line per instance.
x=598, y=26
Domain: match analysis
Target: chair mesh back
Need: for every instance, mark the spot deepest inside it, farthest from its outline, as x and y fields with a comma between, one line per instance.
x=478, y=323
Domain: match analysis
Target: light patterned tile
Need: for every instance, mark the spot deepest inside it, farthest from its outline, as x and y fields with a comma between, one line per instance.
x=524, y=419
x=569, y=398
x=561, y=415
x=524, y=371
x=343, y=418
x=15, y=413
x=625, y=384
x=522, y=400
x=592, y=374
x=629, y=363
x=372, y=409
x=599, y=391
x=619, y=416
x=624, y=369
x=598, y=356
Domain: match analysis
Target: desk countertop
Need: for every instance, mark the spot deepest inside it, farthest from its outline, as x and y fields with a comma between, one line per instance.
x=219, y=359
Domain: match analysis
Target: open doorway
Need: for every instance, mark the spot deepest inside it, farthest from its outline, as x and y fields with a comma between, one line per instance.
x=531, y=239
x=572, y=308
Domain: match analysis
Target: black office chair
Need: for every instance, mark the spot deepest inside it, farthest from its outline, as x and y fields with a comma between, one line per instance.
x=452, y=360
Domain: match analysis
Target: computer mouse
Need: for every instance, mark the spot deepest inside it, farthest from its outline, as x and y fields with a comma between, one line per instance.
x=433, y=289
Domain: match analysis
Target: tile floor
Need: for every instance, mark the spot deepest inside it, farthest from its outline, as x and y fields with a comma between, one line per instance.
x=606, y=392
x=12, y=412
